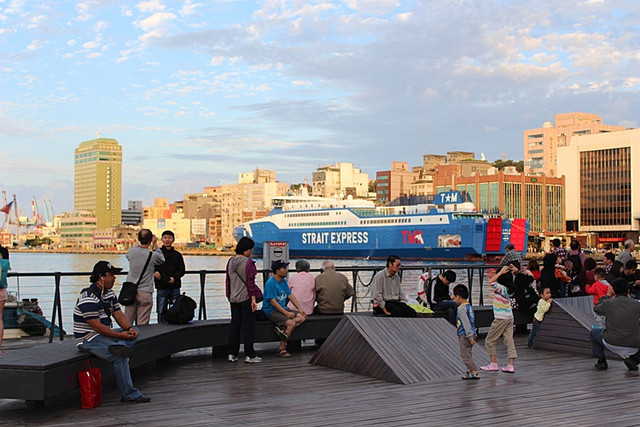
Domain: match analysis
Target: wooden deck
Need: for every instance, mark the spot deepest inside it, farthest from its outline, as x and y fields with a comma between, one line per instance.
x=548, y=388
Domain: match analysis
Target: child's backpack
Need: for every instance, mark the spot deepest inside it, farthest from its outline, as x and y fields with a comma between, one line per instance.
x=182, y=311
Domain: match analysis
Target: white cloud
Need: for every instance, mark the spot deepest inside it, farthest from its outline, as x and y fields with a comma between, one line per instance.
x=217, y=60
x=301, y=83
x=150, y=6
x=35, y=45
x=189, y=8
x=157, y=20
x=91, y=45
x=373, y=6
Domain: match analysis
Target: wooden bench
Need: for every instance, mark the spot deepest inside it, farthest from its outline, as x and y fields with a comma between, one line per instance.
x=44, y=371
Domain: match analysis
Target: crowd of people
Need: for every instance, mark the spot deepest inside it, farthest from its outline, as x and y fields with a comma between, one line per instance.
x=288, y=300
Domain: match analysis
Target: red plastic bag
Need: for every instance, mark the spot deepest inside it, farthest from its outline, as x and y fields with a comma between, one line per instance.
x=90, y=380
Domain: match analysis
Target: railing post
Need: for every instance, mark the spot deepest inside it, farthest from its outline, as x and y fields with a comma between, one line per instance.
x=480, y=294
x=470, y=283
x=354, y=300
x=202, y=313
x=57, y=309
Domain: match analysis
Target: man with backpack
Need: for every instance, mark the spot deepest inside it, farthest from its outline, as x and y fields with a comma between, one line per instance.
x=168, y=275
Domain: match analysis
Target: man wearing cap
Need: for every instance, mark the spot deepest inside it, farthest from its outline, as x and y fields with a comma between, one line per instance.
x=168, y=274
x=276, y=291
x=92, y=328
x=511, y=255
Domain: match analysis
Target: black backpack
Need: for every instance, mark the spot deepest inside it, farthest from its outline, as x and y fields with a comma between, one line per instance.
x=182, y=311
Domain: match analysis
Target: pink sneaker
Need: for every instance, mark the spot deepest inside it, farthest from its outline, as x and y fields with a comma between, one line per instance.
x=490, y=367
x=509, y=368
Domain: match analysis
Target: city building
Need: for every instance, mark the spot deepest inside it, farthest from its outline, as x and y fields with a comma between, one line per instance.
x=602, y=183
x=395, y=182
x=98, y=180
x=160, y=209
x=77, y=228
x=341, y=179
x=132, y=216
x=120, y=238
x=180, y=226
x=539, y=199
x=541, y=145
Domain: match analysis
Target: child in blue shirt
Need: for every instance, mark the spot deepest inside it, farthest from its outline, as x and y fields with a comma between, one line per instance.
x=465, y=320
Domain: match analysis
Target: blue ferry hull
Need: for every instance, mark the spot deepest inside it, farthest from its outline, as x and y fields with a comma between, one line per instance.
x=460, y=240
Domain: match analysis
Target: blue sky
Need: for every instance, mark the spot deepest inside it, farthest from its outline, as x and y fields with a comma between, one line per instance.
x=198, y=91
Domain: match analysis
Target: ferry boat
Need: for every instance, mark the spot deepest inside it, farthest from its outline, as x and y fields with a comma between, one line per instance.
x=449, y=228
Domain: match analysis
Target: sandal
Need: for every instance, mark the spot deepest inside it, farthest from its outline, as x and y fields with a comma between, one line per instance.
x=281, y=334
x=470, y=376
x=283, y=353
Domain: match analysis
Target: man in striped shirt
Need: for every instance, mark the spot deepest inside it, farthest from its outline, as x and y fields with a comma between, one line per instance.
x=92, y=328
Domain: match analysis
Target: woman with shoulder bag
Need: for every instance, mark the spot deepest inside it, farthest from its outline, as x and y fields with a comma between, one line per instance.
x=243, y=295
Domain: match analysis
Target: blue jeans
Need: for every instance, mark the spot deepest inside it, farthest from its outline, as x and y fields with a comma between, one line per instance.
x=534, y=331
x=450, y=307
x=162, y=300
x=597, y=346
x=99, y=346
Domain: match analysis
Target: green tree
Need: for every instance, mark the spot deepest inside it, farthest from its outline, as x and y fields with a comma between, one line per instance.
x=501, y=164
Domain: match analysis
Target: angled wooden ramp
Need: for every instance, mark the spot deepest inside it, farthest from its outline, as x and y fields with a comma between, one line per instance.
x=398, y=350
x=566, y=326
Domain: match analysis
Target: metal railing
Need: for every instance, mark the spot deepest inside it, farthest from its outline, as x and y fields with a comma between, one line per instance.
x=361, y=278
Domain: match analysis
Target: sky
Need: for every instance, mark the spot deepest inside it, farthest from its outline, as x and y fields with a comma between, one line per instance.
x=199, y=91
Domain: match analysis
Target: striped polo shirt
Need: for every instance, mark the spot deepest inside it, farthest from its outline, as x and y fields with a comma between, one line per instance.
x=90, y=307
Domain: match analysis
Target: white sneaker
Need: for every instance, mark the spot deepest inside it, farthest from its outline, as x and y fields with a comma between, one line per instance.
x=232, y=358
x=254, y=359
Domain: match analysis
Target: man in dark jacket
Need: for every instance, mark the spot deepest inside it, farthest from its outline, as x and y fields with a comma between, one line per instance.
x=439, y=295
x=168, y=275
x=621, y=334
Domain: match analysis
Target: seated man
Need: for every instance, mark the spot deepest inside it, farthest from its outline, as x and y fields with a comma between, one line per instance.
x=632, y=276
x=332, y=290
x=276, y=291
x=439, y=295
x=92, y=328
x=621, y=333
x=386, y=290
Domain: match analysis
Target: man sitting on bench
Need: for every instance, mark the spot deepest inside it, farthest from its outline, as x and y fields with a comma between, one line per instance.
x=92, y=328
x=439, y=294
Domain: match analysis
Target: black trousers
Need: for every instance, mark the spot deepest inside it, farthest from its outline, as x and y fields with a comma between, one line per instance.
x=242, y=320
x=397, y=309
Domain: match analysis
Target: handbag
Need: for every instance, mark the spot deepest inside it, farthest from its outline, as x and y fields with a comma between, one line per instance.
x=129, y=289
x=259, y=297
x=90, y=381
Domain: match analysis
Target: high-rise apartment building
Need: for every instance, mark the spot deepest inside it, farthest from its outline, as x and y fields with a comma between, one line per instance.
x=98, y=181
x=340, y=179
x=395, y=182
x=541, y=145
x=602, y=185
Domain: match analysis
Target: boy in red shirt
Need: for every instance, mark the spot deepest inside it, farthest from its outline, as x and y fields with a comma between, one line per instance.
x=600, y=287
